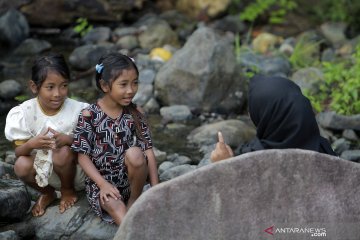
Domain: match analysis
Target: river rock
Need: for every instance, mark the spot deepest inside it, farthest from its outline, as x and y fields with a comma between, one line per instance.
x=14, y=28
x=14, y=200
x=339, y=122
x=10, y=89
x=242, y=197
x=201, y=74
x=235, y=132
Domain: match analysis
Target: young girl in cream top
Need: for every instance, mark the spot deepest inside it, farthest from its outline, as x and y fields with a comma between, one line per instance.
x=41, y=129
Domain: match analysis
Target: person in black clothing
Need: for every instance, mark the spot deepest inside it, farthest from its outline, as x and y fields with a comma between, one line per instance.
x=283, y=117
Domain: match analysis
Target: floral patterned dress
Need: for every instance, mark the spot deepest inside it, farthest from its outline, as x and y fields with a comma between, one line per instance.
x=105, y=141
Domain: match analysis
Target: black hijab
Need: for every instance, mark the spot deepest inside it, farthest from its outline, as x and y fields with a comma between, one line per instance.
x=283, y=117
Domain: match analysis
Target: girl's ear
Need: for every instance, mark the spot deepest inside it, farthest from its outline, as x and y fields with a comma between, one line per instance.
x=104, y=86
x=33, y=87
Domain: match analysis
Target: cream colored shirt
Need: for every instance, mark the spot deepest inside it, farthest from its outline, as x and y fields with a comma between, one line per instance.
x=27, y=120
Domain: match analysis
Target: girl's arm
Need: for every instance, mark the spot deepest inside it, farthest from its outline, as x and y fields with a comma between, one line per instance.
x=106, y=188
x=153, y=172
x=39, y=142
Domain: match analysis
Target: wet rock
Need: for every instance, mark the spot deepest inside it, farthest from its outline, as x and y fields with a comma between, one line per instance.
x=147, y=76
x=14, y=28
x=164, y=166
x=351, y=155
x=235, y=133
x=97, y=35
x=9, y=235
x=14, y=200
x=157, y=34
x=31, y=47
x=176, y=171
x=144, y=93
x=339, y=122
x=341, y=145
x=308, y=79
x=176, y=113
x=64, y=12
x=87, y=56
x=10, y=89
x=128, y=42
x=350, y=135
x=231, y=23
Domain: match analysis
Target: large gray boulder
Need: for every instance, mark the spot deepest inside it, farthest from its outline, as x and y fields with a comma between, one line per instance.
x=292, y=194
x=202, y=74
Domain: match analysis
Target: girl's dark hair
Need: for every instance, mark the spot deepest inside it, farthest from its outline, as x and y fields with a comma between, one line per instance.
x=109, y=68
x=112, y=66
x=51, y=62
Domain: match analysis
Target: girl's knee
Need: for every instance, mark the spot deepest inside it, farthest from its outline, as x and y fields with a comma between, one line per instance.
x=134, y=156
x=63, y=156
x=23, y=166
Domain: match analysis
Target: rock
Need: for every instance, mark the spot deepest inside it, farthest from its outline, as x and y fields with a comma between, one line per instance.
x=31, y=47
x=241, y=197
x=235, y=133
x=64, y=12
x=14, y=200
x=339, y=122
x=147, y=76
x=164, y=166
x=341, y=145
x=128, y=42
x=176, y=171
x=334, y=32
x=157, y=34
x=176, y=113
x=350, y=135
x=309, y=79
x=265, y=42
x=14, y=28
x=351, y=155
x=9, y=235
x=97, y=35
x=78, y=222
x=199, y=75
x=10, y=89
x=202, y=9
x=87, y=56
x=144, y=93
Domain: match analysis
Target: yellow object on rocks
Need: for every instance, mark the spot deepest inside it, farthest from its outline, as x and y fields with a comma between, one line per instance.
x=160, y=54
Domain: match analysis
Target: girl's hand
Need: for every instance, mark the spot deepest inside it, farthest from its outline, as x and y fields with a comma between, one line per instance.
x=42, y=141
x=108, y=190
x=61, y=139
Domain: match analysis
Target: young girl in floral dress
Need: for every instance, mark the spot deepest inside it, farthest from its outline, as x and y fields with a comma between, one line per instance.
x=113, y=141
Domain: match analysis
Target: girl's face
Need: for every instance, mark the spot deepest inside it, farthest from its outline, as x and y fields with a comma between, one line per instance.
x=124, y=88
x=52, y=92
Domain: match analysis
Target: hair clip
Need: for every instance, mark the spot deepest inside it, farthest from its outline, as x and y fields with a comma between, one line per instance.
x=133, y=60
x=99, y=67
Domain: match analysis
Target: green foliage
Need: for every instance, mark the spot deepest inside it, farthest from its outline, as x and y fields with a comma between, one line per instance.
x=276, y=9
x=82, y=26
x=331, y=10
x=340, y=91
x=22, y=98
x=304, y=54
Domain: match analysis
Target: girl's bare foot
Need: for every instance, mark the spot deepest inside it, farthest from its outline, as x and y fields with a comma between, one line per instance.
x=68, y=199
x=41, y=204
